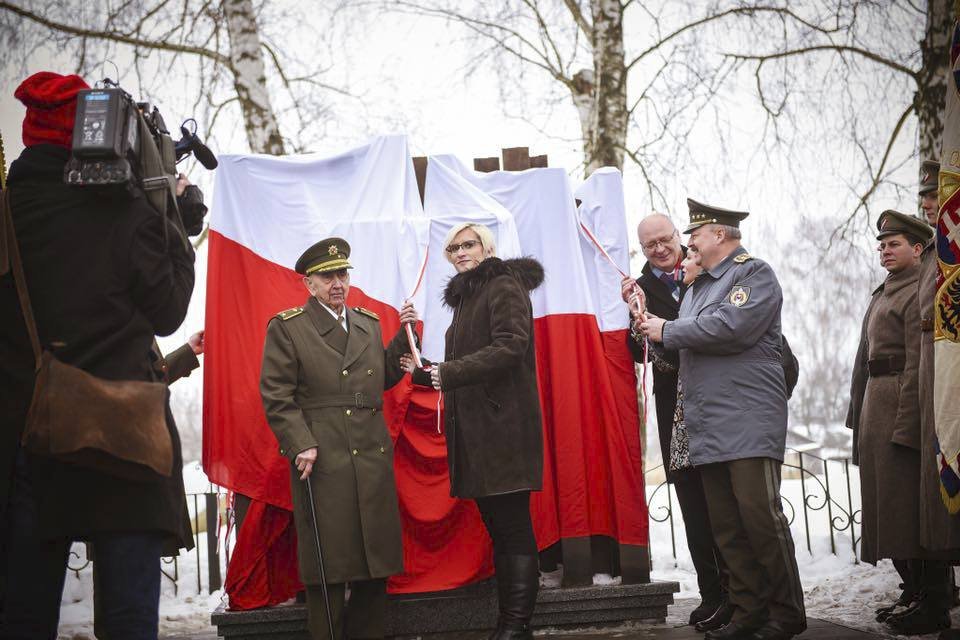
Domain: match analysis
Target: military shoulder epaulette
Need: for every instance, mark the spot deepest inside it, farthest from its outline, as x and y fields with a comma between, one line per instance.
x=743, y=257
x=367, y=313
x=290, y=313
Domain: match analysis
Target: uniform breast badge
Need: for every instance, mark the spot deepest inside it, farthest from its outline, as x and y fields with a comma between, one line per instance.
x=739, y=296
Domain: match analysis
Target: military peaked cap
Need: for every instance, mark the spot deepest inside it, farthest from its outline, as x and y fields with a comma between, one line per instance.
x=929, y=174
x=327, y=255
x=701, y=214
x=891, y=222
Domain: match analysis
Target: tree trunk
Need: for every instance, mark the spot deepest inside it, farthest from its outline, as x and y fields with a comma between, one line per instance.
x=600, y=94
x=933, y=78
x=249, y=78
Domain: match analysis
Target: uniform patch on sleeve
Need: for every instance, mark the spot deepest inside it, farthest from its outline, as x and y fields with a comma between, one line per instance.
x=739, y=295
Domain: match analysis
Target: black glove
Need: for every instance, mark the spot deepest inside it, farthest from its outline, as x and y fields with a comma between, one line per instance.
x=421, y=377
x=192, y=209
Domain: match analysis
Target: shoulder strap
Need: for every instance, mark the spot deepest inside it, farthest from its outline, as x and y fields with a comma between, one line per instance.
x=10, y=259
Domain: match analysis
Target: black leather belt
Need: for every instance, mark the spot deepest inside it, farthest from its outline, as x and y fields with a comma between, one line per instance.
x=886, y=366
x=357, y=400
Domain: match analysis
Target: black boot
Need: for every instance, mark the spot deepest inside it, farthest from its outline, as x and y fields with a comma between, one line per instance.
x=900, y=605
x=706, y=609
x=925, y=616
x=720, y=618
x=518, y=579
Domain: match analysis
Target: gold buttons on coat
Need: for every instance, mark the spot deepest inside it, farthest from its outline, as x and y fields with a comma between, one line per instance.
x=382, y=450
x=374, y=411
x=369, y=372
x=344, y=372
x=356, y=452
x=348, y=412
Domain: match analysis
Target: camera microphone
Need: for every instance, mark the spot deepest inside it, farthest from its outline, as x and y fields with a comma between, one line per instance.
x=191, y=143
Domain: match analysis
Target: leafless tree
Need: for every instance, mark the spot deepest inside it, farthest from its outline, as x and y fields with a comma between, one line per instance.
x=221, y=46
x=642, y=74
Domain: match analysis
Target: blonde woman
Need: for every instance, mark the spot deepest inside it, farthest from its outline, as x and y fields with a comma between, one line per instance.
x=492, y=409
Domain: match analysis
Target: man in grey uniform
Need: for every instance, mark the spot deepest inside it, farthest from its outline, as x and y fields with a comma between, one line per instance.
x=735, y=406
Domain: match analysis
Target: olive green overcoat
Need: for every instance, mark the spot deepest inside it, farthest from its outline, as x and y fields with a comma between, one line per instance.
x=323, y=387
x=939, y=530
x=888, y=430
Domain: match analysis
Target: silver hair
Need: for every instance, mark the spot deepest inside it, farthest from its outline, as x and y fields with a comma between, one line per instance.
x=730, y=233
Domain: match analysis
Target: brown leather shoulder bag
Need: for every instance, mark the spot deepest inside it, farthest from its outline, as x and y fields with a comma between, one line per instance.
x=115, y=427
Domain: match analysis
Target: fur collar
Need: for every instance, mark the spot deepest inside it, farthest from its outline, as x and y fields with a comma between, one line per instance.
x=527, y=271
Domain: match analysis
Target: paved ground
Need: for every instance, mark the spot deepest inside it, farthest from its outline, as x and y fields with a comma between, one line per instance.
x=672, y=629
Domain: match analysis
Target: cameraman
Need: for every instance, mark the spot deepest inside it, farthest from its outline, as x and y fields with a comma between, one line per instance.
x=105, y=273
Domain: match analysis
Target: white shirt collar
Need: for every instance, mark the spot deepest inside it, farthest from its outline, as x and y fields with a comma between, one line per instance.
x=343, y=318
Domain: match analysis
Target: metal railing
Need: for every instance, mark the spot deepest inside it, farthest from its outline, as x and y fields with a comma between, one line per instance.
x=843, y=515
x=211, y=546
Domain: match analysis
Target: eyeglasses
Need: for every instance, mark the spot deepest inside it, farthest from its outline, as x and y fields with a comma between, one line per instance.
x=653, y=244
x=466, y=245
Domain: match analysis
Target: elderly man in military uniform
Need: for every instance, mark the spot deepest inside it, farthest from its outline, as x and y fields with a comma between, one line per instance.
x=322, y=381
x=735, y=404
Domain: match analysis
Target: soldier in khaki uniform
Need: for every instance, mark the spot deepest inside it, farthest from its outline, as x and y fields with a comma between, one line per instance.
x=322, y=381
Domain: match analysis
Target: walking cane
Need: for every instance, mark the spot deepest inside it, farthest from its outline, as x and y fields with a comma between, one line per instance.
x=323, y=574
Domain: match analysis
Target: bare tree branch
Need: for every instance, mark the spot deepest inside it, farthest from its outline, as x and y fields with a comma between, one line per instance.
x=579, y=18
x=837, y=48
x=114, y=36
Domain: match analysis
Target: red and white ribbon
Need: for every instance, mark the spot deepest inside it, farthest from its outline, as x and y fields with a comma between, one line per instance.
x=407, y=326
x=637, y=294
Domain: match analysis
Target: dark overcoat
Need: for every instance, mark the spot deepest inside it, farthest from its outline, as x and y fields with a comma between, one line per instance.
x=323, y=387
x=939, y=530
x=489, y=379
x=660, y=302
x=103, y=280
x=887, y=432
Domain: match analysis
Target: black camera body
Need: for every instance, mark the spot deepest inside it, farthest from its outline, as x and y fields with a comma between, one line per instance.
x=120, y=143
x=106, y=139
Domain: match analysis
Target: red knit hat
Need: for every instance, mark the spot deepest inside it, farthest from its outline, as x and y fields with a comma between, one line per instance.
x=51, y=101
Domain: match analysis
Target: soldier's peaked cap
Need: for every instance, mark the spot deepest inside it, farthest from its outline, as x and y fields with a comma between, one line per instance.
x=929, y=175
x=327, y=255
x=892, y=222
x=701, y=214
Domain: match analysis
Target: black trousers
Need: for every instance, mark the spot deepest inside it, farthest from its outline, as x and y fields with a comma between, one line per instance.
x=751, y=531
x=364, y=616
x=707, y=561
x=932, y=578
x=507, y=518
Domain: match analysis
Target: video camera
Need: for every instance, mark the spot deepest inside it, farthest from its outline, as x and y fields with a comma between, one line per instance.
x=122, y=143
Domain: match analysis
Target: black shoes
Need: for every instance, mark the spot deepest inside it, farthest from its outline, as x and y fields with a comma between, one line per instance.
x=706, y=609
x=923, y=617
x=734, y=631
x=905, y=601
x=720, y=618
x=773, y=630
x=518, y=580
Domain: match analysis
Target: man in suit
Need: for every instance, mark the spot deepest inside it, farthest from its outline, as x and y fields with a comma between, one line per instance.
x=324, y=372
x=662, y=286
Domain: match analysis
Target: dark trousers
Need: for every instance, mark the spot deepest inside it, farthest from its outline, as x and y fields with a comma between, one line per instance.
x=126, y=576
x=743, y=497
x=507, y=518
x=363, y=616
x=704, y=552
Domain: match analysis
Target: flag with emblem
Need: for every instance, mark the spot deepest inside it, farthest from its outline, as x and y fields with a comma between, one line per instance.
x=947, y=300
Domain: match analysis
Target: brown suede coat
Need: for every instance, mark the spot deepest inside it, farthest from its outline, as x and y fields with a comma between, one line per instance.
x=939, y=531
x=888, y=430
x=310, y=374
x=489, y=380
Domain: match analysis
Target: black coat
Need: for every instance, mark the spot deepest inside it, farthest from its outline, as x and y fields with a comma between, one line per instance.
x=489, y=379
x=103, y=280
x=660, y=303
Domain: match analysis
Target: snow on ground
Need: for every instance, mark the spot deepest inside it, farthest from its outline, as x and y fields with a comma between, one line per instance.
x=836, y=587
